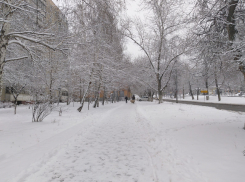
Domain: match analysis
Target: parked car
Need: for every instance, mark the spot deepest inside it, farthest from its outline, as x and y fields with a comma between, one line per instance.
x=239, y=94
x=143, y=98
x=137, y=97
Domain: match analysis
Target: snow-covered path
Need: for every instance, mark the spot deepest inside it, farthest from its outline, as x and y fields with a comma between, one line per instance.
x=143, y=142
x=112, y=151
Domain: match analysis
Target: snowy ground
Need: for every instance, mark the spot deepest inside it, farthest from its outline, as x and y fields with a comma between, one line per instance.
x=214, y=99
x=121, y=142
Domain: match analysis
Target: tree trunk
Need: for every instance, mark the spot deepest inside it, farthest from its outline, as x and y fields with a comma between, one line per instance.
x=59, y=96
x=242, y=69
x=68, y=98
x=118, y=94
x=15, y=106
x=3, y=47
x=151, y=96
x=207, y=89
x=85, y=94
x=50, y=88
x=1, y=81
x=191, y=90
x=160, y=96
x=216, y=82
x=159, y=89
x=230, y=89
x=88, y=102
x=97, y=94
x=84, y=97
x=176, y=85
x=80, y=90
x=15, y=101
x=112, y=98
x=183, y=93
x=217, y=88
x=176, y=92
x=96, y=102
x=206, y=83
x=231, y=19
x=103, y=100
x=197, y=93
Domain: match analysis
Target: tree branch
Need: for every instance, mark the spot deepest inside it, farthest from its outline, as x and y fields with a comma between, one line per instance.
x=36, y=41
x=15, y=59
x=148, y=56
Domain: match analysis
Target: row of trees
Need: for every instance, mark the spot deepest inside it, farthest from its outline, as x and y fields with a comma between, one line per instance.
x=41, y=60
x=97, y=48
x=186, y=51
x=84, y=51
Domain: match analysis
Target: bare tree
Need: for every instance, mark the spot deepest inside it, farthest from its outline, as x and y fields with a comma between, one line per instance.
x=221, y=29
x=159, y=40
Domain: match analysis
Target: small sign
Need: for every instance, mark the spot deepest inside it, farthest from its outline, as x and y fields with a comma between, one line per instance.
x=204, y=91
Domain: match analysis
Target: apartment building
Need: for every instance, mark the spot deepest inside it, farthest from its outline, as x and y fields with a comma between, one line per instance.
x=45, y=15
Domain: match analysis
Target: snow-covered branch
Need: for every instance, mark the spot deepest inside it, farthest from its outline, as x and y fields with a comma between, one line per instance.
x=14, y=6
x=30, y=32
x=36, y=41
x=15, y=59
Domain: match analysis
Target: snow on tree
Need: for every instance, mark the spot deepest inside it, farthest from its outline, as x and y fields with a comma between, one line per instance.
x=96, y=47
x=159, y=39
x=20, y=31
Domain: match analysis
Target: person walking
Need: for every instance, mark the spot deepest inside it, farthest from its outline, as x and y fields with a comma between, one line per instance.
x=133, y=99
x=126, y=98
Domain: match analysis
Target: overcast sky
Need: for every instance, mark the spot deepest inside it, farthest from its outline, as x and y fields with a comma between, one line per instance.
x=133, y=11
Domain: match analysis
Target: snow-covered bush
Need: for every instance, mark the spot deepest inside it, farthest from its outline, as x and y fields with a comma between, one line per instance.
x=6, y=105
x=40, y=110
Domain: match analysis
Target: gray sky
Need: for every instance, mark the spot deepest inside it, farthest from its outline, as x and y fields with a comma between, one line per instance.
x=133, y=11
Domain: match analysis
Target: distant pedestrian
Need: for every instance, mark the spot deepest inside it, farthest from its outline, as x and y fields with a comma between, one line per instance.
x=133, y=99
x=126, y=98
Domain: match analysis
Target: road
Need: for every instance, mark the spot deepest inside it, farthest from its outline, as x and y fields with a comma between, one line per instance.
x=223, y=106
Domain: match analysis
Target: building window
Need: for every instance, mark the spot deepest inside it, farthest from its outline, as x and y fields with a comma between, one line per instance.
x=64, y=93
x=8, y=90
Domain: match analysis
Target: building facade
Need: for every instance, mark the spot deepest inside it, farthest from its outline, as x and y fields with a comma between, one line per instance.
x=45, y=16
